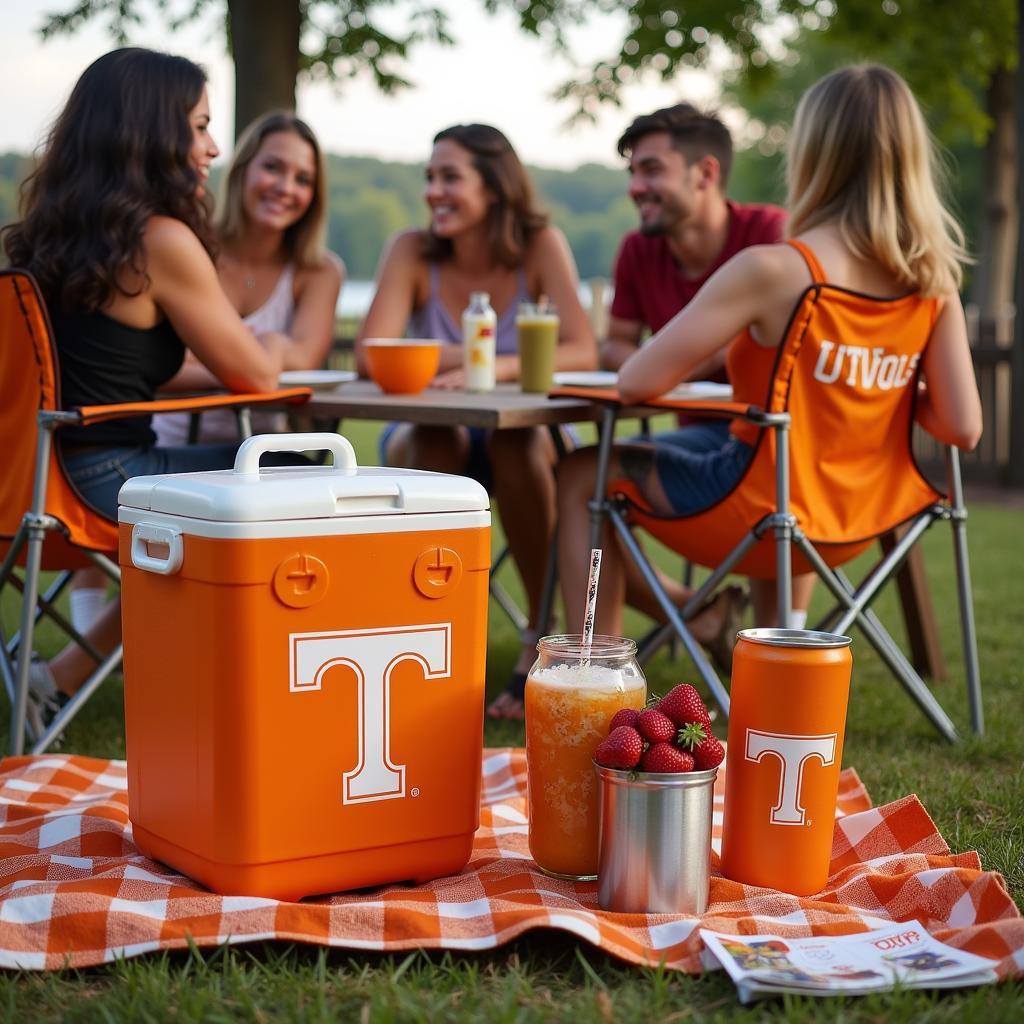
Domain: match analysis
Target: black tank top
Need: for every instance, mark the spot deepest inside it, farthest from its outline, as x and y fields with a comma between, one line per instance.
x=104, y=362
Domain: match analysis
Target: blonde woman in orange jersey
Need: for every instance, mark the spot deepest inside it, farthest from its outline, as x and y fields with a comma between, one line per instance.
x=864, y=210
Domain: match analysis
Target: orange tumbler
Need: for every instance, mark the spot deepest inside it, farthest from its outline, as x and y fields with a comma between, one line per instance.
x=790, y=689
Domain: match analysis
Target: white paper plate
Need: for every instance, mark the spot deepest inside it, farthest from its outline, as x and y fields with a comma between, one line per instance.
x=702, y=389
x=318, y=380
x=586, y=379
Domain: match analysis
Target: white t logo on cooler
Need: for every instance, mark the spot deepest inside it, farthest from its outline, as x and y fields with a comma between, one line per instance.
x=372, y=654
x=793, y=753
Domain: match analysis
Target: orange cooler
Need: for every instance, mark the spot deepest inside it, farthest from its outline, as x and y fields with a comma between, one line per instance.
x=304, y=655
x=787, y=719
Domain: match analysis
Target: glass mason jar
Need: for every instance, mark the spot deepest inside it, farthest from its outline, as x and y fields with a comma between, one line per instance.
x=572, y=693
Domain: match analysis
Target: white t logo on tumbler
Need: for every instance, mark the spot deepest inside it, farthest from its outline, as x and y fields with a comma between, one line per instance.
x=793, y=753
x=372, y=654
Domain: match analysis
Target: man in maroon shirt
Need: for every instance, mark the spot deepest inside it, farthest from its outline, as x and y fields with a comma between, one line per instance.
x=679, y=162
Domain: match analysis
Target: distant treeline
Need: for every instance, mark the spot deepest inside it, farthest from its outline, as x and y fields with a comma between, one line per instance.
x=372, y=199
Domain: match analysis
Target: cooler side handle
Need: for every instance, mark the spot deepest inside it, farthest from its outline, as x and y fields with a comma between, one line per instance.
x=144, y=534
x=247, y=460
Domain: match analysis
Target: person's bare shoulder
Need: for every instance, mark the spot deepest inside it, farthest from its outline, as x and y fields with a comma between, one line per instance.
x=329, y=272
x=406, y=245
x=769, y=266
x=547, y=240
x=331, y=267
x=548, y=248
x=168, y=234
x=403, y=265
x=172, y=246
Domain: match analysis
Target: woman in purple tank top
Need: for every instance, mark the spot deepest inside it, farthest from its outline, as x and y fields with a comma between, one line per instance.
x=486, y=234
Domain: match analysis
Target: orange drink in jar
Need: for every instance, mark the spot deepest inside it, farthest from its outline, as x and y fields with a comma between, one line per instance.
x=572, y=694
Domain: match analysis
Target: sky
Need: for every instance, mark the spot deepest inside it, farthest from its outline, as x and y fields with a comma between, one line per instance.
x=493, y=74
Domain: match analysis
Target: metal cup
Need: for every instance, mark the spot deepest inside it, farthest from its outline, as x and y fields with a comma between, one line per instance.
x=655, y=841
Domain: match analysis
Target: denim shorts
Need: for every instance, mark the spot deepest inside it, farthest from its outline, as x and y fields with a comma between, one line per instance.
x=699, y=464
x=478, y=463
x=97, y=473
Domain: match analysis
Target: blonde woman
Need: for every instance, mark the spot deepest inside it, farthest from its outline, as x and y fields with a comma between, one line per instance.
x=863, y=202
x=272, y=262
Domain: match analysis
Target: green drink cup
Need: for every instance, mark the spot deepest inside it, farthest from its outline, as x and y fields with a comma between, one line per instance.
x=537, y=327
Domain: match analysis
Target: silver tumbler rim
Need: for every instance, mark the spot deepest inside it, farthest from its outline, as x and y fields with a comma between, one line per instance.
x=637, y=779
x=794, y=638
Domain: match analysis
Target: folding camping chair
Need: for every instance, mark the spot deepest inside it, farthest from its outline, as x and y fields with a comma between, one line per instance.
x=44, y=525
x=833, y=469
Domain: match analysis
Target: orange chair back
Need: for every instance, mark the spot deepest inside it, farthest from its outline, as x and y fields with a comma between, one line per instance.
x=30, y=382
x=847, y=372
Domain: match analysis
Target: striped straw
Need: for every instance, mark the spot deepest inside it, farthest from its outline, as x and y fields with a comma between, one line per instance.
x=588, y=619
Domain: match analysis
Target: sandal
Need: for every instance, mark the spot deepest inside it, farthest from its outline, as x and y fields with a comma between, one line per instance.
x=720, y=646
x=45, y=700
x=509, y=703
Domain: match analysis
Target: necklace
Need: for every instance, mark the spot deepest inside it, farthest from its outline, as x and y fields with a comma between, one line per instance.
x=250, y=283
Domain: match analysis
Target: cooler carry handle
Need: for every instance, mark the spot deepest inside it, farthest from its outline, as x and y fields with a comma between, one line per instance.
x=144, y=534
x=247, y=460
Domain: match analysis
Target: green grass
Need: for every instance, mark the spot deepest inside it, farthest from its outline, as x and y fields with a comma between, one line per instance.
x=974, y=791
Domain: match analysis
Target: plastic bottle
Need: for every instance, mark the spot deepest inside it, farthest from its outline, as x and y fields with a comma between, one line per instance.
x=479, y=325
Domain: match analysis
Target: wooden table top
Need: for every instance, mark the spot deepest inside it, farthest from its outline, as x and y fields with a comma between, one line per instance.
x=505, y=407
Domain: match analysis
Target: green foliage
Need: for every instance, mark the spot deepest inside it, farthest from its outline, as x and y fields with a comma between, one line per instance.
x=339, y=38
x=13, y=168
x=771, y=112
x=948, y=50
x=369, y=199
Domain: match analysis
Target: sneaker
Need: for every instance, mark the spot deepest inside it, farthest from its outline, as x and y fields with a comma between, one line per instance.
x=44, y=699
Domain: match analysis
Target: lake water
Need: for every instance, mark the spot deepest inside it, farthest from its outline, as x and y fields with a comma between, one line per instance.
x=356, y=296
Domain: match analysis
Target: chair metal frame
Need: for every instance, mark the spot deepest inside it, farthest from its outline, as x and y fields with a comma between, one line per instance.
x=37, y=523
x=853, y=602
x=17, y=653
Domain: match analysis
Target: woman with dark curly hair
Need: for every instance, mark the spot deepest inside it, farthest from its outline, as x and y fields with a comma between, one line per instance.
x=115, y=229
x=487, y=234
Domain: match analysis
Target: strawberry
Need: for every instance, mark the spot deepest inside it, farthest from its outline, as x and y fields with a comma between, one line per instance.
x=624, y=716
x=707, y=750
x=683, y=705
x=663, y=757
x=655, y=727
x=621, y=748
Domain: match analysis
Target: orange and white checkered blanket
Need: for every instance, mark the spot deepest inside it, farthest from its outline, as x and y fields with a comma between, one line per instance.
x=74, y=890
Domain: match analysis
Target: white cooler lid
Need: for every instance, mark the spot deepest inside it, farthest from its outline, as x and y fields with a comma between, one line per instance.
x=249, y=494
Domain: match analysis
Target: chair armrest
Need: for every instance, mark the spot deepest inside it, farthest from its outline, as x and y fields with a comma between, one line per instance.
x=196, y=403
x=707, y=407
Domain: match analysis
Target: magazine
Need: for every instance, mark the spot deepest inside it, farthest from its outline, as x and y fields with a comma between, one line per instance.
x=901, y=955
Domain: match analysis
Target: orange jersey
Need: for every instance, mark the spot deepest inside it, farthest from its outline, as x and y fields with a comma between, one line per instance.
x=846, y=372
x=865, y=345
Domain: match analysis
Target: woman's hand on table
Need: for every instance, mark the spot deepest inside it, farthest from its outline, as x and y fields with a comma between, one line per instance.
x=450, y=380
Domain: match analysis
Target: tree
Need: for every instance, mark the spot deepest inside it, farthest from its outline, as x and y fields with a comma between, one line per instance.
x=272, y=42
x=959, y=56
